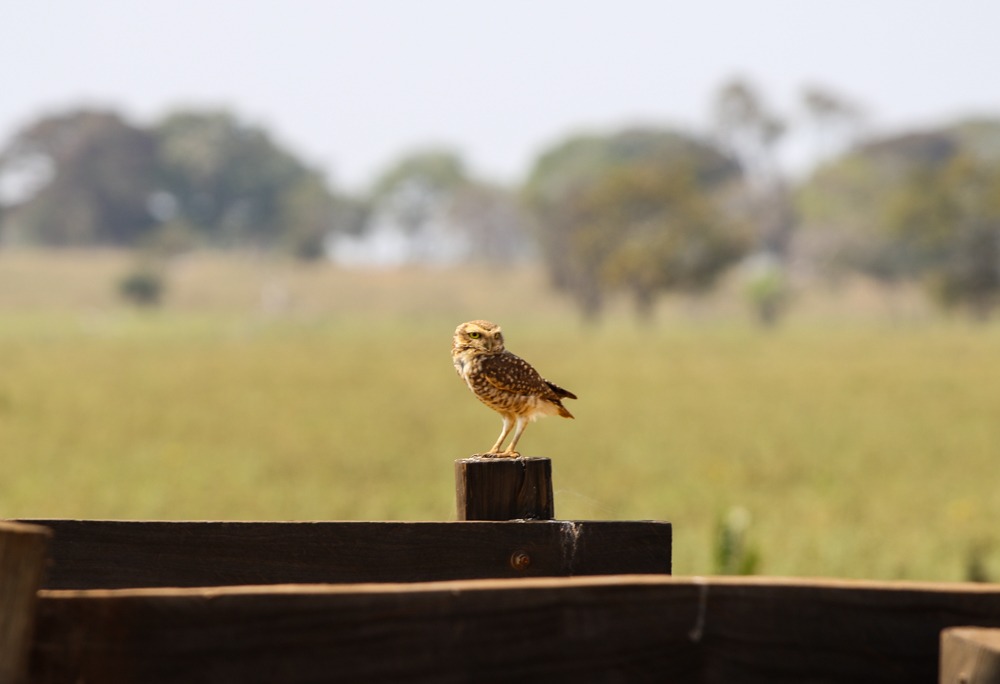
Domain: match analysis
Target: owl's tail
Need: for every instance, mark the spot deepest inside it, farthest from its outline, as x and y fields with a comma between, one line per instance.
x=561, y=394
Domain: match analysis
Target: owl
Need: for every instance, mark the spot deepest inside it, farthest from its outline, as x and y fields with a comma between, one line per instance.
x=504, y=382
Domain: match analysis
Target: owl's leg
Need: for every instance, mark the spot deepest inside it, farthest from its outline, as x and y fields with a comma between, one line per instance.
x=507, y=423
x=522, y=422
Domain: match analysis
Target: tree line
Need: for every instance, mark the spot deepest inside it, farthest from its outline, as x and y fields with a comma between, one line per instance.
x=642, y=210
x=92, y=178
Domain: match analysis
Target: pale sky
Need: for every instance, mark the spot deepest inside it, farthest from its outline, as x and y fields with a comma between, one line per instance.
x=351, y=86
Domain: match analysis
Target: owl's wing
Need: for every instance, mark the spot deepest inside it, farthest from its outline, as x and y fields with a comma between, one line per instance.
x=510, y=373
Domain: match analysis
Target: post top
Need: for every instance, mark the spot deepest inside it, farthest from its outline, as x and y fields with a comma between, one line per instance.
x=481, y=458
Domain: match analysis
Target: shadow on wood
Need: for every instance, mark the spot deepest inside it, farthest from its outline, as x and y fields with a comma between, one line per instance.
x=22, y=562
x=504, y=489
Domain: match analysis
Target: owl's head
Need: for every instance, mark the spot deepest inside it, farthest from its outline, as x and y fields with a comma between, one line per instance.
x=478, y=336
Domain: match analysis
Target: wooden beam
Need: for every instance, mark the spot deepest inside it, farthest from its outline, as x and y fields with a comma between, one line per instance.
x=504, y=489
x=102, y=554
x=970, y=655
x=490, y=631
x=22, y=562
x=595, y=629
x=775, y=630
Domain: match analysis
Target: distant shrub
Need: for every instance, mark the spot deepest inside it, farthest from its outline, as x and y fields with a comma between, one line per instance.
x=766, y=289
x=734, y=554
x=143, y=286
x=977, y=562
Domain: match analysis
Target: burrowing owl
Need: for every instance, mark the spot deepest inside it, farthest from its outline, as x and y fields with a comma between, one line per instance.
x=504, y=382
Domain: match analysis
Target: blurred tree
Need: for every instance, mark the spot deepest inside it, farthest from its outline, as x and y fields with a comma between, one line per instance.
x=419, y=186
x=665, y=234
x=351, y=213
x=837, y=120
x=631, y=210
x=494, y=221
x=426, y=207
x=91, y=176
x=750, y=132
x=237, y=187
x=410, y=202
x=843, y=204
x=918, y=206
x=947, y=221
x=306, y=209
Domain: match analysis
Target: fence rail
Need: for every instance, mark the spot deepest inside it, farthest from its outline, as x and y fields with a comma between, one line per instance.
x=584, y=629
x=110, y=554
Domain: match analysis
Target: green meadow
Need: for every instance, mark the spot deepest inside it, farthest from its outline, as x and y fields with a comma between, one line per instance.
x=862, y=436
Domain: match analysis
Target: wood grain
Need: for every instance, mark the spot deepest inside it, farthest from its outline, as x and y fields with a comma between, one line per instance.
x=835, y=631
x=490, y=631
x=504, y=489
x=970, y=655
x=22, y=563
x=96, y=554
x=595, y=629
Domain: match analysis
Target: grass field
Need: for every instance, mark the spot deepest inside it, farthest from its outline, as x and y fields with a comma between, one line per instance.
x=861, y=447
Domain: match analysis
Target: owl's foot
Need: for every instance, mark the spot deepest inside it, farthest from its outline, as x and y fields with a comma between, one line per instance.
x=499, y=454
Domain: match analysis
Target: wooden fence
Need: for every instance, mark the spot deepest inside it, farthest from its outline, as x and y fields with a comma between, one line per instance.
x=22, y=558
x=483, y=601
x=97, y=554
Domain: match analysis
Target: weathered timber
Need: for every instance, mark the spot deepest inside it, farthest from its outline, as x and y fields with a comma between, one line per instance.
x=22, y=563
x=107, y=554
x=970, y=655
x=773, y=630
x=482, y=631
x=596, y=629
x=504, y=488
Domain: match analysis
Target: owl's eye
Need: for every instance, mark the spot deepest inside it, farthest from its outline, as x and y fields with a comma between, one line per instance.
x=474, y=335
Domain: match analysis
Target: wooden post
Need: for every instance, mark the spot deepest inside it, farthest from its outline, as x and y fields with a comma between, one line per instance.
x=22, y=560
x=504, y=488
x=970, y=655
